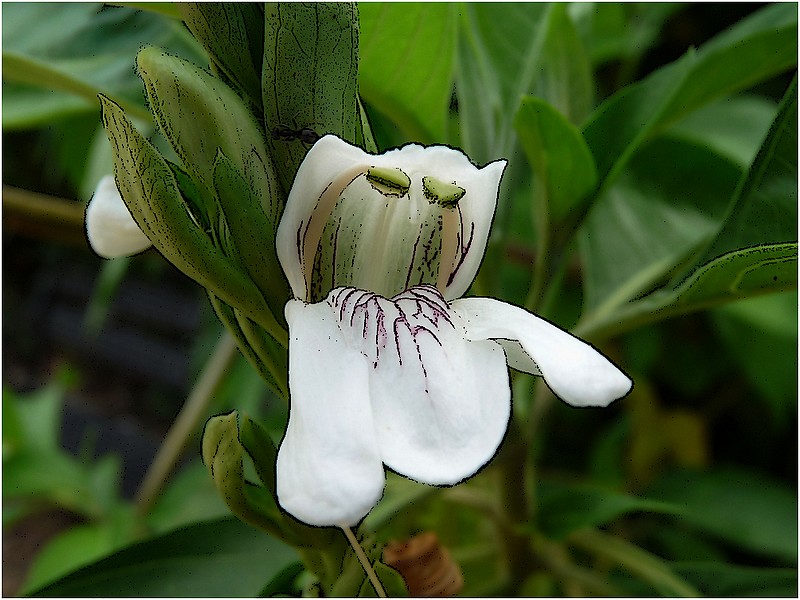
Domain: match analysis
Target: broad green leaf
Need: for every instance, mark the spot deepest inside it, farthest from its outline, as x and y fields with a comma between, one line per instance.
x=82, y=50
x=733, y=127
x=78, y=547
x=507, y=51
x=189, y=498
x=233, y=35
x=764, y=210
x=645, y=566
x=721, y=580
x=215, y=559
x=562, y=164
x=743, y=508
x=29, y=107
x=761, y=334
x=150, y=192
x=667, y=202
x=563, y=509
x=309, y=76
x=406, y=62
x=32, y=421
x=733, y=276
x=754, y=249
x=612, y=30
x=757, y=48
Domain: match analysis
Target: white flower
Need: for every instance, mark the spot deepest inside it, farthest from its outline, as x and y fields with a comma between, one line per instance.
x=387, y=365
x=110, y=228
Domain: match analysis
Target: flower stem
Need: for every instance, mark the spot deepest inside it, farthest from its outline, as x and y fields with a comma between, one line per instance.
x=362, y=558
x=185, y=423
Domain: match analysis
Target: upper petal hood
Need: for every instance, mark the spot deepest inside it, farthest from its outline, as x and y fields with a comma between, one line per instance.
x=110, y=228
x=574, y=370
x=385, y=241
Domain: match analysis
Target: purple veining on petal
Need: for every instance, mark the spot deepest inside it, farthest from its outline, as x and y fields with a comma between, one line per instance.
x=463, y=249
x=364, y=319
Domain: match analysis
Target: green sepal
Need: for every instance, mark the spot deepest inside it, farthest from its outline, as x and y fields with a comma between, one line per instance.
x=271, y=368
x=309, y=76
x=150, y=191
x=223, y=455
x=251, y=232
x=262, y=451
x=200, y=115
x=233, y=35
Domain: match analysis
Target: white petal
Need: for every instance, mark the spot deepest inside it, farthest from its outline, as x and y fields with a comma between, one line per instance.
x=110, y=228
x=325, y=162
x=329, y=470
x=441, y=404
x=477, y=209
x=574, y=370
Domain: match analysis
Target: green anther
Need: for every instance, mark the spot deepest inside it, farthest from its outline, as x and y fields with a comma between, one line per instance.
x=442, y=193
x=389, y=181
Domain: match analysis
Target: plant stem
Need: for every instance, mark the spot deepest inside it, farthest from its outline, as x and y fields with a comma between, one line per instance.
x=186, y=423
x=362, y=558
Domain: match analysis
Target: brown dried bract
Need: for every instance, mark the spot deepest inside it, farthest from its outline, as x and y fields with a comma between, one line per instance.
x=426, y=566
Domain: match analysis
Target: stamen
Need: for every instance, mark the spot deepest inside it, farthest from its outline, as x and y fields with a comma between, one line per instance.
x=389, y=181
x=442, y=193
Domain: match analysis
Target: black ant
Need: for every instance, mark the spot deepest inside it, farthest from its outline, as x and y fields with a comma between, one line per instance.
x=287, y=134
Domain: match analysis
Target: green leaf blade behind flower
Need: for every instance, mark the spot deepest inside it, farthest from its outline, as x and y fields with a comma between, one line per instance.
x=406, y=62
x=751, y=251
x=559, y=156
x=754, y=50
x=214, y=559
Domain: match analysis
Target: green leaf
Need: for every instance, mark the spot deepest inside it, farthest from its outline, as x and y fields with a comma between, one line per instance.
x=80, y=51
x=262, y=451
x=648, y=567
x=668, y=201
x=150, y=192
x=733, y=127
x=406, y=63
x=563, y=509
x=508, y=51
x=392, y=582
x=754, y=250
x=742, y=508
x=78, y=547
x=216, y=559
x=764, y=210
x=561, y=161
x=233, y=35
x=32, y=421
x=736, y=275
x=309, y=76
x=189, y=498
x=29, y=107
x=620, y=30
x=720, y=580
x=761, y=335
x=752, y=51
